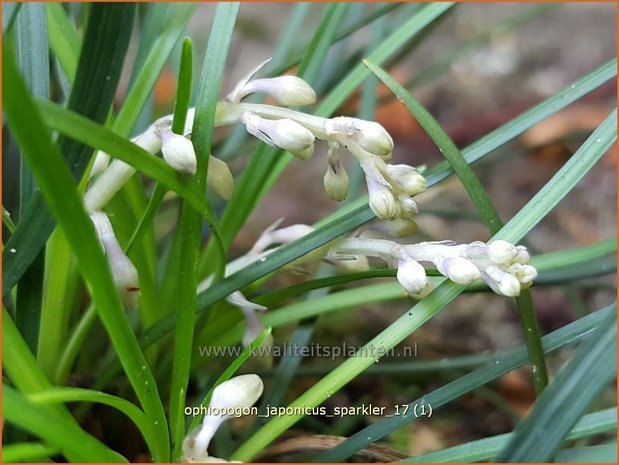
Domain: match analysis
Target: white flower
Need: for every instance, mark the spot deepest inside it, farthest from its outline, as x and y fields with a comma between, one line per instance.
x=411, y=274
x=408, y=178
x=253, y=324
x=286, y=90
x=522, y=255
x=178, y=152
x=125, y=275
x=335, y=181
x=219, y=178
x=283, y=133
x=272, y=235
x=382, y=202
x=525, y=273
x=501, y=282
x=458, y=269
x=408, y=207
x=237, y=393
x=370, y=136
x=501, y=251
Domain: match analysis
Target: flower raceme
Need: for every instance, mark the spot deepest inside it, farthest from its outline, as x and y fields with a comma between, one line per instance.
x=391, y=187
x=502, y=266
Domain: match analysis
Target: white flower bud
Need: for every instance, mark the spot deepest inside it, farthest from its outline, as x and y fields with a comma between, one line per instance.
x=501, y=252
x=411, y=274
x=286, y=90
x=178, y=152
x=476, y=249
x=335, y=181
x=219, y=178
x=284, y=133
x=524, y=273
x=408, y=206
x=237, y=393
x=408, y=178
x=125, y=275
x=383, y=203
x=458, y=269
x=370, y=136
x=501, y=282
x=102, y=160
x=522, y=255
x=285, y=235
x=509, y=286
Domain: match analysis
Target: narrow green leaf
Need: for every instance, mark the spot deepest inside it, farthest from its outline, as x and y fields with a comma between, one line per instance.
x=60, y=192
x=505, y=363
x=105, y=44
x=448, y=149
x=486, y=449
x=528, y=119
x=33, y=59
x=562, y=182
x=63, y=395
x=322, y=40
x=189, y=235
x=601, y=453
x=9, y=15
x=70, y=439
x=190, y=231
x=150, y=71
x=63, y=39
x=537, y=437
x=28, y=452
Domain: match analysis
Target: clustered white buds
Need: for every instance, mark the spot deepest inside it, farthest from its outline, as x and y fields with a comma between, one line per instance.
x=391, y=188
x=232, y=396
x=501, y=265
x=505, y=266
x=124, y=273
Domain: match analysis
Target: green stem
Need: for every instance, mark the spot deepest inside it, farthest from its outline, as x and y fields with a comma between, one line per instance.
x=533, y=338
x=76, y=341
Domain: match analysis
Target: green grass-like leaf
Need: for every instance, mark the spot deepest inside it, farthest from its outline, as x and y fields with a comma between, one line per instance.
x=70, y=439
x=537, y=438
x=486, y=449
x=505, y=363
x=105, y=44
x=190, y=230
x=60, y=192
x=28, y=452
x=54, y=395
